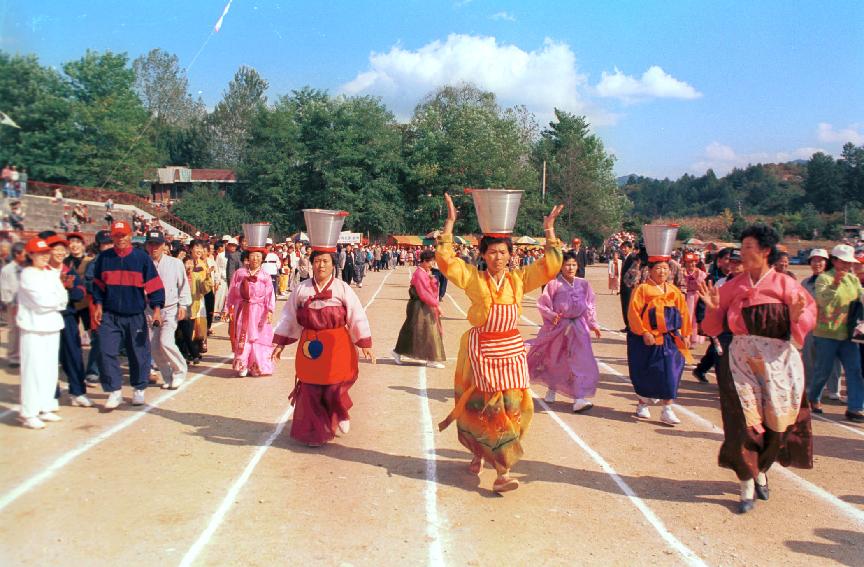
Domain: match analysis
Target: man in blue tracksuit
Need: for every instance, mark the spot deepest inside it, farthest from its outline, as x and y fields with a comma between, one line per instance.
x=125, y=282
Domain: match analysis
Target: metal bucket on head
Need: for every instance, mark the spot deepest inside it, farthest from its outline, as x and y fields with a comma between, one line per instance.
x=323, y=227
x=497, y=210
x=659, y=240
x=256, y=234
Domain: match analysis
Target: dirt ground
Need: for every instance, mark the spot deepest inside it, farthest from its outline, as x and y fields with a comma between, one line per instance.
x=207, y=475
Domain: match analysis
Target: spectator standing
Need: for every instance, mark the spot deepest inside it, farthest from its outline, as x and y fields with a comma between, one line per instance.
x=361, y=260
x=22, y=182
x=233, y=259
x=41, y=298
x=125, y=283
x=10, y=278
x=103, y=243
x=163, y=346
x=272, y=264
x=220, y=277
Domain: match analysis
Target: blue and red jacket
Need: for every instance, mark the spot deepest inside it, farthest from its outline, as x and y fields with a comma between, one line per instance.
x=125, y=282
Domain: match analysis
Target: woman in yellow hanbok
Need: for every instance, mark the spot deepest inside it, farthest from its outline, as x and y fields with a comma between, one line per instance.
x=493, y=403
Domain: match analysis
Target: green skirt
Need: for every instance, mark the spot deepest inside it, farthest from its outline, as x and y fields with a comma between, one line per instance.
x=420, y=336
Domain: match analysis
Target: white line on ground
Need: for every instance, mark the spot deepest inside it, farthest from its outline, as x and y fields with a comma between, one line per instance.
x=70, y=456
x=230, y=498
x=658, y=525
x=854, y=513
x=686, y=553
x=854, y=430
x=436, y=554
x=377, y=291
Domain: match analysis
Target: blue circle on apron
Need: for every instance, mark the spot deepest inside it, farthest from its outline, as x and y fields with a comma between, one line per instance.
x=313, y=349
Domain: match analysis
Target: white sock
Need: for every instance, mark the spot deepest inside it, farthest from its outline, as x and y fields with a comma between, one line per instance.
x=762, y=479
x=748, y=489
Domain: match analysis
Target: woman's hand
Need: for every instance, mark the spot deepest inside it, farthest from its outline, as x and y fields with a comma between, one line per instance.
x=368, y=354
x=277, y=352
x=225, y=317
x=648, y=339
x=797, y=308
x=709, y=295
x=269, y=317
x=549, y=221
x=556, y=319
x=451, y=214
x=686, y=342
x=596, y=332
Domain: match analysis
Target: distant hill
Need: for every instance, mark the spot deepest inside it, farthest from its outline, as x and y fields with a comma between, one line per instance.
x=622, y=181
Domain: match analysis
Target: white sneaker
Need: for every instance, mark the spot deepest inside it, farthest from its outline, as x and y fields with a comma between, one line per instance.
x=243, y=373
x=668, y=416
x=138, y=398
x=32, y=422
x=834, y=396
x=549, y=397
x=642, y=411
x=48, y=416
x=581, y=405
x=397, y=358
x=176, y=383
x=115, y=398
x=82, y=401
x=344, y=426
x=433, y=364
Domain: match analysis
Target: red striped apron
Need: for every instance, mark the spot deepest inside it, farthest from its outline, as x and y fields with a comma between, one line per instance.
x=497, y=351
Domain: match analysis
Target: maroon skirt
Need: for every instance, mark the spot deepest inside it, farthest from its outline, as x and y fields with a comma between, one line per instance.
x=318, y=409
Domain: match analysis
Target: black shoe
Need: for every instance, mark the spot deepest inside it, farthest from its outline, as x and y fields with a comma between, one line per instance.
x=745, y=506
x=14, y=365
x=762, y=491
x=818, y=410
x=700, y=375
x=856, y=416
x=624, y=330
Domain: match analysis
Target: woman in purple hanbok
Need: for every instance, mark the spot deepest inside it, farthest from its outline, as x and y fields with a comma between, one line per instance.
x=561, y=356
x=250, y=305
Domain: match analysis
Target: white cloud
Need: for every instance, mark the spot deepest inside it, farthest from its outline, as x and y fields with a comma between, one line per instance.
x=507, y=16
x=853, y=133
x=654, y=83
x=542, y=80
x=723, y=159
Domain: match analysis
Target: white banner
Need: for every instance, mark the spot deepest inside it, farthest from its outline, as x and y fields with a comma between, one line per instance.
x=347, y=237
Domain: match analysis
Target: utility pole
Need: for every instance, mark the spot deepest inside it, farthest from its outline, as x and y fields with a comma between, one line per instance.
x=544, y=180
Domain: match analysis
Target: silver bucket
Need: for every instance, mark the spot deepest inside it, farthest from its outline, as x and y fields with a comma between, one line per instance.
x=497, y=209
x=323, y=227
x=256, y=234
x=659, y=239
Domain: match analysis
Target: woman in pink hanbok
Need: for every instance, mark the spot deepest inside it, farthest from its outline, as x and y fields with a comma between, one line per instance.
x=250, y=305
x=561, y=356
x=693, y=277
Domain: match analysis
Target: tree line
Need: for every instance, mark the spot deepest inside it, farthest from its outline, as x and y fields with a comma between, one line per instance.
x=104, y=121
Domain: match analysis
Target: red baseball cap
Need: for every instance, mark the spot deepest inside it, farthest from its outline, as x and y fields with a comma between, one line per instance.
x=36, y=245
x=120, y=228
x=56, y=239
x=78, y=235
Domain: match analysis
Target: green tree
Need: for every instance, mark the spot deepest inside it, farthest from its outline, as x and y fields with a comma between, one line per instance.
x=208, y=209
x=40, y=101
x=851, y=167
x=110, y=122
x=582, y=178
x=231, y=120
x=822, y=186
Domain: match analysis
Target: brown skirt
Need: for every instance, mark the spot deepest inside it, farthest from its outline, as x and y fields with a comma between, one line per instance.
x=748, y=453
x=420, y=336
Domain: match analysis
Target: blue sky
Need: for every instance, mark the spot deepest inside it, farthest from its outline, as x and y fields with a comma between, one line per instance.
x=672, y=87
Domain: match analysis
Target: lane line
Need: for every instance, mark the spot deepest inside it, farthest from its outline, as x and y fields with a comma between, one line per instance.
x=436, y=553
x=854, y=430
x=230, y=498
x=686, y=553
x=849, y=510
x=73, y=454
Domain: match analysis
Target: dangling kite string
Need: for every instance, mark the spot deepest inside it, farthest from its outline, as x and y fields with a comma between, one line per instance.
x=146, y=127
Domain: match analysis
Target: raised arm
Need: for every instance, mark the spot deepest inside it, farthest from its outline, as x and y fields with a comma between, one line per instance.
x=453, y=268
x=540, y=272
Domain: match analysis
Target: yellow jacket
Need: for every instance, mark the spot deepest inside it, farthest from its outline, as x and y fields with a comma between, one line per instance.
x=467, y=277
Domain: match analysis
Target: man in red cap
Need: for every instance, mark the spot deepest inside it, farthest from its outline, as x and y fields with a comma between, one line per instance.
x=581, y=257
x=125, y=282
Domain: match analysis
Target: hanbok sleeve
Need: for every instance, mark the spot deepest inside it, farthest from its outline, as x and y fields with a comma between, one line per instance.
x=686, y=316
x=453, y=268
x=287, y=330
x=423, y=285
x=634, y=312
x=545, y=302
x=546, y=268
x=358, y=323
x=270, y=295
x=591, y=307
x=233, y=291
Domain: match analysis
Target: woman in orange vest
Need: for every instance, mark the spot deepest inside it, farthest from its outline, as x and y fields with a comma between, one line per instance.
x=325, y=317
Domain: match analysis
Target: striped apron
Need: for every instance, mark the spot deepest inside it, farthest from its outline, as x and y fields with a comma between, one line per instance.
x=497, y=351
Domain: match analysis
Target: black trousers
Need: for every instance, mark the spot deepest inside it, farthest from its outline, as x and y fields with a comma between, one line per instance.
x=209, y=306
x=626, y=292
x=190, y=349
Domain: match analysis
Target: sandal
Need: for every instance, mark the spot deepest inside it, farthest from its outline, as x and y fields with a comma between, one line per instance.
x=505, y=484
